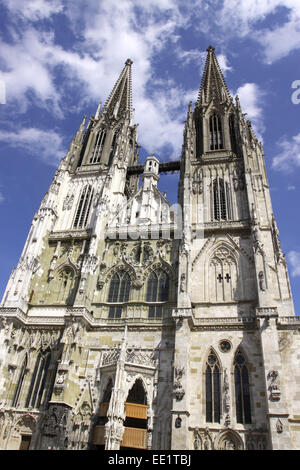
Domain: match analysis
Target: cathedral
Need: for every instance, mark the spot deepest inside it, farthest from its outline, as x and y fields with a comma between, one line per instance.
x=132, y=323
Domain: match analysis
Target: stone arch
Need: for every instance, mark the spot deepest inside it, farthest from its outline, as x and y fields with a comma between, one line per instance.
x=213, y=373
x=117, y=268
x=246, y=387
x=168, y=269
x=65, y=282
x=132, y=382
x=107, y=390
x=24, y=426
x=228, y=439
x=221, y=271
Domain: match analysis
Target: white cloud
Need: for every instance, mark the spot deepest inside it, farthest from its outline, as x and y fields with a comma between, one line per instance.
x=1, y=197
x=242, y=17
x=289, y=156
x=110, y=32
x=291, y=188
x=223, y=62
x=294, y=260
x=47, y=145
x=34, y=9
x=251, y=96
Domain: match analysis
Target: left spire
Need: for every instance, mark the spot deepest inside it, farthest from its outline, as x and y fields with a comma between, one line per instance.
x=120, y=99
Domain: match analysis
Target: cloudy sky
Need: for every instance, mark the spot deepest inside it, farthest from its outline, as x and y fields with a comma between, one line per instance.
x=59, y=59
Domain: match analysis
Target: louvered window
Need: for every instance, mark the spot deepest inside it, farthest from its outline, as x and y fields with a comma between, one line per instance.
x=221, y=200
x=99, y=144
x=216, y=132
x=232, y=133
x=83, y=208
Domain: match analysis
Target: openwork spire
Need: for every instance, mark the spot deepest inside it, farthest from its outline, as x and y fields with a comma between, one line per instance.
x=213, y=86
x=120, y=99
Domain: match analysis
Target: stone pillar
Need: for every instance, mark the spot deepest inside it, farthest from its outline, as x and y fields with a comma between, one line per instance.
x=277, y=411
x=180, y=411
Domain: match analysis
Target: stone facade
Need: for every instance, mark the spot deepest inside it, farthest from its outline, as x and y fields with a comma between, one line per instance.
x=131, y=323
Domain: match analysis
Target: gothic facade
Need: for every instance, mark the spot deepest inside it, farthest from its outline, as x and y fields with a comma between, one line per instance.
x=129, y=323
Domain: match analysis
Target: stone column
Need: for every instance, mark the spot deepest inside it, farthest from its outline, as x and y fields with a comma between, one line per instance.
x=277, y=411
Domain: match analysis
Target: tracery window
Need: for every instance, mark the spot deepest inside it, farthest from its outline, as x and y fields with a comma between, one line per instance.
x=112, y=149
x=83, y=208
x=242, y=391
x=216, y=132
x=99, y=144
x=223, y=276
x=17, y=394
x=221, y=200
x=38, y=381
x=157, y=291
x=65, y=284
x=213, y=389
x=232, y=133
x=119, y=291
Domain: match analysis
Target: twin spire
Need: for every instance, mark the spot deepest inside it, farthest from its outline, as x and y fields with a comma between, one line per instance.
x=120, y=99
x=213, y=87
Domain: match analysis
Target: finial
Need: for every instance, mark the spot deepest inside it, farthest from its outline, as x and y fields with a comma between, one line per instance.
x=98, y=110
x=129, y=62
x=210, y=49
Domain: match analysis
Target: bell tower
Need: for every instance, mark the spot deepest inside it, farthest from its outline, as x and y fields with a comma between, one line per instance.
x=232, y=273
x=128, y=324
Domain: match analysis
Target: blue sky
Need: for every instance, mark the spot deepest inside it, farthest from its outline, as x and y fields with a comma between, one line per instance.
x=59, y=59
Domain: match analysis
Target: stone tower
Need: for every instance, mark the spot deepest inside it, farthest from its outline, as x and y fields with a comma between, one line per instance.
x=130, y=323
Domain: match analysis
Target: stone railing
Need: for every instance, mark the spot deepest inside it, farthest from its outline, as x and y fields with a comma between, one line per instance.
x=224, y=322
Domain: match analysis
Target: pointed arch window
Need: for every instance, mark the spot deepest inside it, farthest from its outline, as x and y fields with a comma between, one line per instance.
x=65, y=284
x=113, y=149
x=213, y=389
x=83, y=208
x=242, y=390
x=18, y=390
x=119, y=291
x=232, y=133
x=99, y=144
x=38, y=381
x=157, y=291
x=137, y=393
x=216, y=132
x=221, y=200
x=108, y=391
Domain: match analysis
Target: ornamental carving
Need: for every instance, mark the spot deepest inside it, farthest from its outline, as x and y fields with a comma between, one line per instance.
x=56, y=421
x=178, y=390
x=68, y=202
x=279, y=426
x=202, y=439
x=274, y=389
x=228, y=440
x=226, y=398
x=141, y=356
x=197, y=183
x=110, y=357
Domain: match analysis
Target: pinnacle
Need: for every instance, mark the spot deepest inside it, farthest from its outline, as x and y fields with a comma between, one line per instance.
x=120, y=99
x=213, y=86
x=210, y=49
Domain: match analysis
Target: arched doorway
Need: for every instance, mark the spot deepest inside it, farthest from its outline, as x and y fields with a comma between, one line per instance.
x=135, y=424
